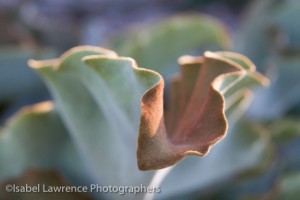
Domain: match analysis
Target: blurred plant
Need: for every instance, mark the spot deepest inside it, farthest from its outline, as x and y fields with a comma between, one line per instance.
x=158, y=46
x=94, y=90
x=271, y=39
x=268, y=183
x=24, y=85
x=245, y=150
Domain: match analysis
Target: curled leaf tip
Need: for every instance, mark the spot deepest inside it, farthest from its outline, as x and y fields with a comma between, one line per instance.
x=195, y=119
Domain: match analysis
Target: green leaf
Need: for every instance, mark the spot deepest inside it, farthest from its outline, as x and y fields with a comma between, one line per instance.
x=285, y=130
x=271, y=39
x=36, y=138
x=98, y=97
x=159, y=45
x=103, y=101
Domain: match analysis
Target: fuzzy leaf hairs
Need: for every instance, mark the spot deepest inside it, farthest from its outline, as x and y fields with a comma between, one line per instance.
x=206, y=88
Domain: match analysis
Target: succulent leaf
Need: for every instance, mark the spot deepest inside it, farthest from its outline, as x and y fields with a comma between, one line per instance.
x=271, y=39
x=103, y=103
x=196, y=119
x=36, y=138
x=97, y=95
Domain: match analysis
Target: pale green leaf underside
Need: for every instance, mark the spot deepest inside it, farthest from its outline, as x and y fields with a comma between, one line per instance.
x=105, y=131
x=94, y=122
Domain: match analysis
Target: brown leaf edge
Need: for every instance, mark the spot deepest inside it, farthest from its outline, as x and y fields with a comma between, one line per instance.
x=193, y=134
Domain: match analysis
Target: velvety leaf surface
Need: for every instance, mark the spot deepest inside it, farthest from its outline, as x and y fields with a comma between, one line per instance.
x=159, y=45
x=196, y=119
x=98, y=98
x=94, y=123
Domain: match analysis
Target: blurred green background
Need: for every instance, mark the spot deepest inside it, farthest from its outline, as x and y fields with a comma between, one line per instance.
x=264, y=148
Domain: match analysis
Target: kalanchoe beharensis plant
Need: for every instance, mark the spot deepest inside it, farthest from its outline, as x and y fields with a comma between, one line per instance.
x=103, y=104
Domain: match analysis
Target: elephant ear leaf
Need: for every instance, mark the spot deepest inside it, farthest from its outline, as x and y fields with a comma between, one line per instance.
x=206, y=87
x=97, y=95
